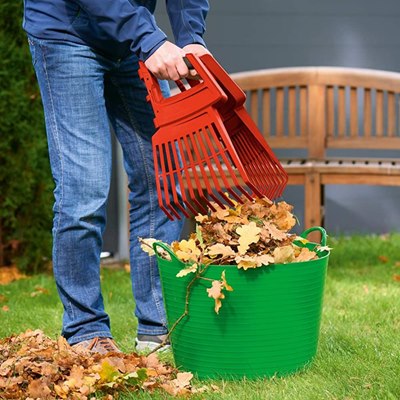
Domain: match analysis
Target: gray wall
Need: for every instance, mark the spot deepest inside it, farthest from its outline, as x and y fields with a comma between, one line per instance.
x=279, y=33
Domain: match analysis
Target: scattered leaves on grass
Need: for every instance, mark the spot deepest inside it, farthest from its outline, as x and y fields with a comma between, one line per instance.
x=396, y=277
x=39, y=290
x=383, y=259
x=10, y=274
x=35, y=366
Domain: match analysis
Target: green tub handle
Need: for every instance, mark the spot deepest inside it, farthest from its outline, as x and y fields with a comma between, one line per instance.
x=321, y=230
x=174, y=258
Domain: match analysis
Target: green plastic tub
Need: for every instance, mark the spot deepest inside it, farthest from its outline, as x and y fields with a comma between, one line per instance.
x=268, y=326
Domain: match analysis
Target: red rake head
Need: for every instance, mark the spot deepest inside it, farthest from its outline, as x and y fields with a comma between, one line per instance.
x=207, y=149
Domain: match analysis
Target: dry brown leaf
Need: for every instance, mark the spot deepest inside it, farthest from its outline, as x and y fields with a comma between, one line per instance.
x=35, y=366
x=305, y=255
x=188, y=250
x=221, y=250
x=183, y=379
x=38, y=389
x=248, y=234
x=10, y=274
x=383, y=259
x=225, y=284
x=264, y=259
x=284, y=254
x=215, y=292
x=273, y=232
x=39, y=290
x=245, y=262
x=185, y=271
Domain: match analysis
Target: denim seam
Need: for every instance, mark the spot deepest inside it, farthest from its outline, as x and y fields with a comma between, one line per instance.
x=151, y=202
x=154, y=332
x=58, y=148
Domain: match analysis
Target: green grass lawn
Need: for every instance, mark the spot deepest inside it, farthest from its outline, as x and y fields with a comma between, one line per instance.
x=359, y=349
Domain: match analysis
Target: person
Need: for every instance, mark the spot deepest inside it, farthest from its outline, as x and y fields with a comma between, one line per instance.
x=85, y=54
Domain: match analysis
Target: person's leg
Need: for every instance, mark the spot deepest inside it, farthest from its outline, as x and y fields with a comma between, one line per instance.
x=71, y=81
x=132, y=119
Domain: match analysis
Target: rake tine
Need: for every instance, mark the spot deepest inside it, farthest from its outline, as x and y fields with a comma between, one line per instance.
x=195, y=173
x=208, y=160
x=255, y=176
x=179, y=160
x=222, y=152
x=204, y=173
x=210, y=136
x=235, y=161
x=264, y=172
x=189, y=183
x=165, y=179
x=172, y=171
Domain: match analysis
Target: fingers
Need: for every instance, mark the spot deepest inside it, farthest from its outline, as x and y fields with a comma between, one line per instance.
x=196, y=49
x=167, y=62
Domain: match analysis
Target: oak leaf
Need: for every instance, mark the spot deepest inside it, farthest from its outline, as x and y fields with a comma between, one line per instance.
x=225, y=284
x=283, y=218
x=188, y=270
x=188, y=250
x=183, y=379
x=274, y=232
x=38, y=389
x=264, y=259
x=215, y=291
x=305, y=255
x=220, y=249
x=249, y=234
x=201, y=218
x=245, y=262
x=284, y=254
x=147, y=246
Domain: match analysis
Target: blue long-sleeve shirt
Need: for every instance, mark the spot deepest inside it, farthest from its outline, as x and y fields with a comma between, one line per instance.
x=115, y=27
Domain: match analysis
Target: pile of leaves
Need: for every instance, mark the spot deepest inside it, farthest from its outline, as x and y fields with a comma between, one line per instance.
x=251, y=234
x=34, y=366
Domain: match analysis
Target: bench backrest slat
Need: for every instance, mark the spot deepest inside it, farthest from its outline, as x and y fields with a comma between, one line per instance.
x=350, y=108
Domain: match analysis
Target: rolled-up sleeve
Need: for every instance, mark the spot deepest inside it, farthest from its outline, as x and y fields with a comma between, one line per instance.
x=187, y=19
x=127, y=22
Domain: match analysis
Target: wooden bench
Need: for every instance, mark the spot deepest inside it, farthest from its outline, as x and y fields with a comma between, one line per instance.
x=320, y=113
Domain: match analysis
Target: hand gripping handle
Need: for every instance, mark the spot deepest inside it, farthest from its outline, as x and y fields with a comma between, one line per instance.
x=166, y=109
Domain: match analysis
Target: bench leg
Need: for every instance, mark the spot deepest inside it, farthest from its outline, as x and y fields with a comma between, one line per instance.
x=313, y=205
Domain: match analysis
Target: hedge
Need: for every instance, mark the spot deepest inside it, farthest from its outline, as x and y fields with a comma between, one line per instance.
x=25, y=180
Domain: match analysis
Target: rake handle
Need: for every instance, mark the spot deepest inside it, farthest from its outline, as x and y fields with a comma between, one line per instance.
x=169, y=109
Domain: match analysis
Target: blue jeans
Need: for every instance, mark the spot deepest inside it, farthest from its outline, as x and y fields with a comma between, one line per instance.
x=82, y=93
